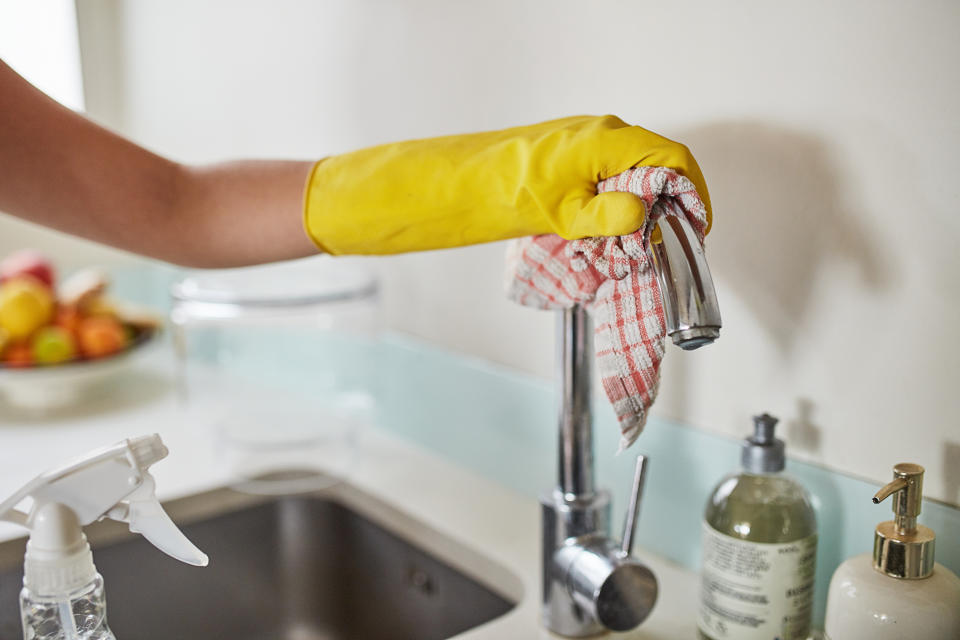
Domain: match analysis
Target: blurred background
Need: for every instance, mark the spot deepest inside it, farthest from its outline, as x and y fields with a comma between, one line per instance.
x=827, y=133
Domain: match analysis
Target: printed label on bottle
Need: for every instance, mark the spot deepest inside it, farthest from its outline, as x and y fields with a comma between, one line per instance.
x=756, y=591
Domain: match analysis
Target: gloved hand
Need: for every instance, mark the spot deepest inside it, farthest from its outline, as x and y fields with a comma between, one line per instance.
x=482, y=187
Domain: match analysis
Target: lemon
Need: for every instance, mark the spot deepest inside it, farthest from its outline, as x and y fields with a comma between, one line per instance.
x=25, y=306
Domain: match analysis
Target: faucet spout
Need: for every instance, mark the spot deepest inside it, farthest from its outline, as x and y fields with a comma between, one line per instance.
x=689, y=299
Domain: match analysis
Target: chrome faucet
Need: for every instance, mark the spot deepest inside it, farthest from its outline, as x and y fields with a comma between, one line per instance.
x=591, y=583
x=689, y=299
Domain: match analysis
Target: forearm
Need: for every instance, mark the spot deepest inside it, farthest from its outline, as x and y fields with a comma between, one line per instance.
x=239, y=213
x=60, y=170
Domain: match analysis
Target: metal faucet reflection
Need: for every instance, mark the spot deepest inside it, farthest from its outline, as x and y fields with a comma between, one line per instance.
x=590, y=582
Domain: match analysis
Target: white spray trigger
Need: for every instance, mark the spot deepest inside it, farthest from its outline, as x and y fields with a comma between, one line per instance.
x=111, y=482
x=146, y=517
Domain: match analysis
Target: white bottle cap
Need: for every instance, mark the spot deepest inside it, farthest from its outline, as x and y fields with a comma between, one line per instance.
x=58, y=558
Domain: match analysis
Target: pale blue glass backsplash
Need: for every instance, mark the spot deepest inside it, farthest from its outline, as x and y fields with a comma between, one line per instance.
x=502, y=425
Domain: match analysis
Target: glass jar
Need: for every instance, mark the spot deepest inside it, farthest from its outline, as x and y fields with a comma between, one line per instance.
x=277, y=361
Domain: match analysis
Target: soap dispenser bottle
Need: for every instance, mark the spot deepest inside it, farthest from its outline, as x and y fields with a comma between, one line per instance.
x=63, y=595
x=759, y=548
x=898, y=591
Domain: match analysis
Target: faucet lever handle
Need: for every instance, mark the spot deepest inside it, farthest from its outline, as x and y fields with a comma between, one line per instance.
x=633, y=510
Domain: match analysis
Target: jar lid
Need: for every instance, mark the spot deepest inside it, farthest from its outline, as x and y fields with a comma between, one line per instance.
x=314, y=280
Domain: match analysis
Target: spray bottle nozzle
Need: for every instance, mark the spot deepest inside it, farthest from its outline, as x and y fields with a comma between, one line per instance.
x=113, y=482
x=147, y=450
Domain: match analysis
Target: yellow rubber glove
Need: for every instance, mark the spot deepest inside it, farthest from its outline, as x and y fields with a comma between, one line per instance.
x=459, y=190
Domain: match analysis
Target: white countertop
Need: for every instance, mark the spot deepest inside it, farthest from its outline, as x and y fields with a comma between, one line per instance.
x=486, y=530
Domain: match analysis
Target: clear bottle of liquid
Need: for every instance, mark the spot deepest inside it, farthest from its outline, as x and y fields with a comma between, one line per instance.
x=63, y=596
x=759, y=549
x=80, y=615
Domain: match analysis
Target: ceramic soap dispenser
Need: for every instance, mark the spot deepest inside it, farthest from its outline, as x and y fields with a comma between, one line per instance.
x=899, y=591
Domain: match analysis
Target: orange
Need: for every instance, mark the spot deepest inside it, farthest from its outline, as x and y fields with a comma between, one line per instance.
x=100, y=336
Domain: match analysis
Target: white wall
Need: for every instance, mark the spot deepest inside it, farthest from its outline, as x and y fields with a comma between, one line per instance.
x=827, y=132
x=40, y=41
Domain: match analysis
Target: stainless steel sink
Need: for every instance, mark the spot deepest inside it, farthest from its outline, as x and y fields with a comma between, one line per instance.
x=290, y=568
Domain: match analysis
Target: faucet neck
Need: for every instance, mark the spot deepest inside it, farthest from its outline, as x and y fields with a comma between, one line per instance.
x=576, y=427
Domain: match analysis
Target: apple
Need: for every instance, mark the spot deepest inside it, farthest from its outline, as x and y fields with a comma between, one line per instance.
x=26, y=304
x=52, y=345
x=27, y=262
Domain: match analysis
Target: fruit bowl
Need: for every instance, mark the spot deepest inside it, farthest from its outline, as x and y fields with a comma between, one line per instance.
x=57, y=339
x=45, y=387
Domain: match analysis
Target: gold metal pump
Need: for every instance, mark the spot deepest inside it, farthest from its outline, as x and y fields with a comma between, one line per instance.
x=901, y=547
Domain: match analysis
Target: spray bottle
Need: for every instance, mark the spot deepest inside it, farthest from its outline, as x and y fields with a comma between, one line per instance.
x=63, y=595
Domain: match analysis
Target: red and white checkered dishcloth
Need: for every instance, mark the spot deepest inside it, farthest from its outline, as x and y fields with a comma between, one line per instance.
x=613, y=277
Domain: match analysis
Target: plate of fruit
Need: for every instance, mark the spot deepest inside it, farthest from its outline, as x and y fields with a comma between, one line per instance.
x=57, y=339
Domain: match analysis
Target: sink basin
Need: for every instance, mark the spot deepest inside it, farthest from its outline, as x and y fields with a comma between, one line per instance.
x=310, y=567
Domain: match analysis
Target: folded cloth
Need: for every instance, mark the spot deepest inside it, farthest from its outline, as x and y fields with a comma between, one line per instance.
x=614, y=279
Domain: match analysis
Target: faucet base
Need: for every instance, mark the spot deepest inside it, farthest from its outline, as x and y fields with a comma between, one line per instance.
x=566, y=518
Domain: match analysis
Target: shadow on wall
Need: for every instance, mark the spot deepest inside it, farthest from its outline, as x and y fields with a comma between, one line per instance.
x=782, y=215
x=951, y=471
x=802, y=431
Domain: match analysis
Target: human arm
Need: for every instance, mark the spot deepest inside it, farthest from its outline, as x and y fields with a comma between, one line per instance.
x=61, y=170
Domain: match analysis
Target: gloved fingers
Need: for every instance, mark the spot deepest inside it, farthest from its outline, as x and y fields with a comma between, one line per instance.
x=676, y=156
x=620, y=147
x=607, y=214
